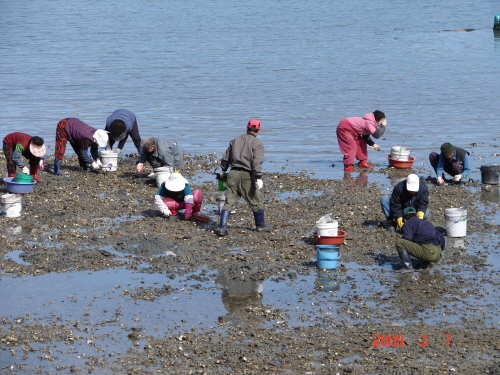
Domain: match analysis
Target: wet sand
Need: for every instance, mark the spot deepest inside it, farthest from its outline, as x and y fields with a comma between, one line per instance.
x=248, y=303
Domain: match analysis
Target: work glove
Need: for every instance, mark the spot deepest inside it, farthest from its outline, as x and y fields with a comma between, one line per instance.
x=259, y=183
x=98, y=162
x=57, y=167
x=457, y=178
x=420, y=214
x=166, y=212
x=95, y=165
x=41, y=165
x=440, y=181
x=383, y=122
x=187, y=212
x=376, y=147
x=399, y=222
x=118, y=150
x=25, y=170
x=140, y=167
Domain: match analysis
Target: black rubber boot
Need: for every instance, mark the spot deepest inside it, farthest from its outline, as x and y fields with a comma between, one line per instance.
x=260, y=225
x=224, y=218
x=406, y=261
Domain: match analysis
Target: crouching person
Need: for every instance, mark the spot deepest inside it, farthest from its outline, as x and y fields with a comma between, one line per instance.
x=175, y=194
x=419, y=239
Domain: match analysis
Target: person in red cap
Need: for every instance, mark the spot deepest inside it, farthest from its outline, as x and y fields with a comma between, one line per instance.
x=32, y=148
x=353, y=134
x=245, y=156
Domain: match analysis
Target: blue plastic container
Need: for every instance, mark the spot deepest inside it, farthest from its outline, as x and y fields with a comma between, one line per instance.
x=327, y=256
x=18, y=187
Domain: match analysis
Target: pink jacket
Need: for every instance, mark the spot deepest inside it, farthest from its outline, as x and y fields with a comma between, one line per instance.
x=365, y=125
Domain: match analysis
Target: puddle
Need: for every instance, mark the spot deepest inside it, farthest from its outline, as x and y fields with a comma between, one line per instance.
x=15, y=256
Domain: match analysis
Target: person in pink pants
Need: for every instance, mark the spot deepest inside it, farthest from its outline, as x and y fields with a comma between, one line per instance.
x=353, y=135
x=175, y=194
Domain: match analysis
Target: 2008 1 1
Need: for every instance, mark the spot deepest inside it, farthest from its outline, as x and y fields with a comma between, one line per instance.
x=399, y=340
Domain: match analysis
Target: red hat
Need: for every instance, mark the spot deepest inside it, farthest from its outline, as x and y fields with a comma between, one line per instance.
x=253, y=123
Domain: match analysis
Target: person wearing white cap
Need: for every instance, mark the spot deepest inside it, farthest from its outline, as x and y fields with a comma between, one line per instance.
x=175, y=194
x=81, y=137
x=32, y=148
x=411, y=192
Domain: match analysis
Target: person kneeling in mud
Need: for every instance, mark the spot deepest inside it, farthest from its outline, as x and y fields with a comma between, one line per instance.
x=419, y=239
x=175, y=194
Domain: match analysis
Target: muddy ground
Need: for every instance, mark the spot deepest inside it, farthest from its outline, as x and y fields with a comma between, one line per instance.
x=86, y=221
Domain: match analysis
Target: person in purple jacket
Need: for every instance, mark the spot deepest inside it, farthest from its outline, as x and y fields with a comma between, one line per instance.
x=120, y=125
x=353, y=134
x=420, y=239
x=81, y=137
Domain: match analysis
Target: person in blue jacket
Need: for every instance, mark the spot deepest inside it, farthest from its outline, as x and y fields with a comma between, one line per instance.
x=120, y=125
x=452, y=160
x=419, y=239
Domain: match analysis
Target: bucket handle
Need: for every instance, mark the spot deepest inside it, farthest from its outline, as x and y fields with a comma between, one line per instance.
x=319, y=251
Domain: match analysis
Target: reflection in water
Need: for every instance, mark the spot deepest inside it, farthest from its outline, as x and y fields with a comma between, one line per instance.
x=455, y=243
x=490, y=193
x=238, y=296
x=398, y=175
x=327, y=280
x=361, y=180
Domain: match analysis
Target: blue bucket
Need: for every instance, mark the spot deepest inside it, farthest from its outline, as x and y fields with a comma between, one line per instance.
x=327, y=256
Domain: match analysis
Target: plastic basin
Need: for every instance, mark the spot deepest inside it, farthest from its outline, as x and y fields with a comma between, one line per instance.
x=18, y=187
x=201, y=217
x=330, y=240
x=401, y=164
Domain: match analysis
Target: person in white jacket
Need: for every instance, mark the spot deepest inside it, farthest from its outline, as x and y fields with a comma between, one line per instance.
x=175, y=194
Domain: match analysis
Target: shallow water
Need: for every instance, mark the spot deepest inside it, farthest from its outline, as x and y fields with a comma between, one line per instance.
x=300, y=68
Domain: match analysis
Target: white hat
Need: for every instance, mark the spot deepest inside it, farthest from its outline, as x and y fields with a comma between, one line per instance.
x=101, y=137
x=176, y=182
x=38, y=151
x=412, y=182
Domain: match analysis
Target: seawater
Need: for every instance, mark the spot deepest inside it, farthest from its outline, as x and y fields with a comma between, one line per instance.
x=197, y=71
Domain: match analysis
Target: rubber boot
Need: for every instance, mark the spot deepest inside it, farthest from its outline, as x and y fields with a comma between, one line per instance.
x=348, y=168
x=11, y=175
x=224, y=218
x=364, y=164
x=34, y=173
x=196, y=208
x=260, y=226
x=406, y=261
x=57, y=167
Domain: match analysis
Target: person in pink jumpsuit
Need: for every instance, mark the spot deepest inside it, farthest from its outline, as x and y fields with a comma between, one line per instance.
x=353, y=135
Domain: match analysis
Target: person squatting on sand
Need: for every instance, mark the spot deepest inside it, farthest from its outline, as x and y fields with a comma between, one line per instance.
x=175, y=194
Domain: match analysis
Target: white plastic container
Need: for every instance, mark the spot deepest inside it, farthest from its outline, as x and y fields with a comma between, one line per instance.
x=109, y=160
x=400, y=153
x=456, y=222
x=328, y=229
x=162, y=174
x=12, y=205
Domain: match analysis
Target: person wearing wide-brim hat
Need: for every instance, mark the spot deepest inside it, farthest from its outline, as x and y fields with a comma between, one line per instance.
x=419, y=239
x=81, y=137
x=32, y=148
x=175, y=194
x=452, y=160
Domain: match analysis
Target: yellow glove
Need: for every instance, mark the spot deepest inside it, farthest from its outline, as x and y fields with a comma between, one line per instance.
x=399, y=222
x=420, y=214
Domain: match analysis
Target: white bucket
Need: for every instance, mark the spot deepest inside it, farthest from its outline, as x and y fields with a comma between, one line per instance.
x=456, y=222
x=12, y=205
x=400, y=153
x=327, y=229
x=162, y=174
x=109, y=160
